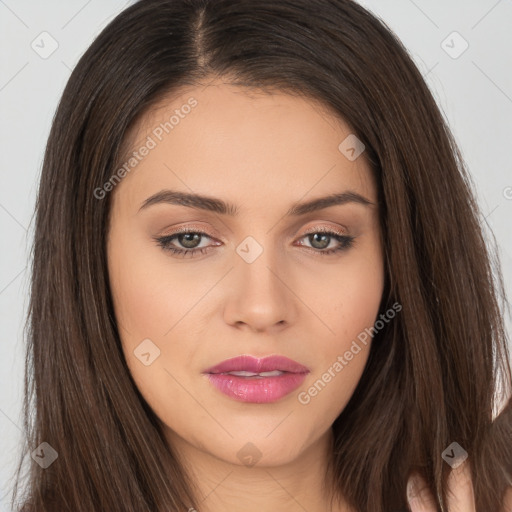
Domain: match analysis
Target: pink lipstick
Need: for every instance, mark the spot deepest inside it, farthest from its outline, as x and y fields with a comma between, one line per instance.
x=249, y=379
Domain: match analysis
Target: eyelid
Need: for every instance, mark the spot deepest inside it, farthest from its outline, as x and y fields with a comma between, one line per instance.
x=190, y=229
x=342, y=231
x=330, y=229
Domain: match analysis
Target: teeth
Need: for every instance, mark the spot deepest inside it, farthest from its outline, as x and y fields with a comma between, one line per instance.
x=243, y=374
x=274, y=373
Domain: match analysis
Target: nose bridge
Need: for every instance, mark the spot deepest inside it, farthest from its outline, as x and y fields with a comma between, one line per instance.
x=259, y=296
x=260, y=263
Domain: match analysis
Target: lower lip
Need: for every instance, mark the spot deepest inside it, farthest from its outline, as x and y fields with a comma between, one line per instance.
x=261, y=390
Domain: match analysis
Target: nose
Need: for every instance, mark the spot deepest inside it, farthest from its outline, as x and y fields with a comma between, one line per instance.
x=260, y=295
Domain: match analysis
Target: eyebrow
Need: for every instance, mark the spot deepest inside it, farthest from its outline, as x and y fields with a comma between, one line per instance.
x=213, y=204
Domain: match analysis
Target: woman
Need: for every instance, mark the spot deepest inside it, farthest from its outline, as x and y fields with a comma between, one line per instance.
x=259, y=276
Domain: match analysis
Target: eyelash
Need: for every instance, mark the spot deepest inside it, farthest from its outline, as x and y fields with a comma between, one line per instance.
x=347, y=242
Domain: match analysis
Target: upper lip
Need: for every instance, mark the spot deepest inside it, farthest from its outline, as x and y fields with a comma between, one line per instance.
x=256, y=365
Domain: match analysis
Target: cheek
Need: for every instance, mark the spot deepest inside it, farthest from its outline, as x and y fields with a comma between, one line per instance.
x=151, y=312
x=358, y=300
x=152, y=293
x=349, y=307
x=350, y=298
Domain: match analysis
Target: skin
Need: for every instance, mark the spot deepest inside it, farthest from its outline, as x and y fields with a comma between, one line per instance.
x=461, y=496
x=263, y=153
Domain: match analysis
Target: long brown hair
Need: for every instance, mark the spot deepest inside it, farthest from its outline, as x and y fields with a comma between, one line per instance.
x=432, y=374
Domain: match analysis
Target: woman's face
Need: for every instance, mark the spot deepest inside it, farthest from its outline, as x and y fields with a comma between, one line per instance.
x=259, y=277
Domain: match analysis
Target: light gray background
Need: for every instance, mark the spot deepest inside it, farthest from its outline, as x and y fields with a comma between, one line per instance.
x=474, y=91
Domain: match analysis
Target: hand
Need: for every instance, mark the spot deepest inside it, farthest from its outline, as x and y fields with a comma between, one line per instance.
x=460, y=493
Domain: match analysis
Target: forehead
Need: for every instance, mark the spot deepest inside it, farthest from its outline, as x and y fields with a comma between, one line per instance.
x=231, y=141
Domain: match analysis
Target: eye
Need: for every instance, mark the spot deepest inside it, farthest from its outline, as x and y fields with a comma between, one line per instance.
x=190, y=242
x=321, y=238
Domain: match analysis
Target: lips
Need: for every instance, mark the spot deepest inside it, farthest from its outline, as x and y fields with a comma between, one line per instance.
x=253, y=365
x=249, y=379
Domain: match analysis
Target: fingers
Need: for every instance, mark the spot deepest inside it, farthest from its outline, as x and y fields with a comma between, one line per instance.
x=418, y=495
x=507, y=503
x=460, y=492
x=461, y=496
